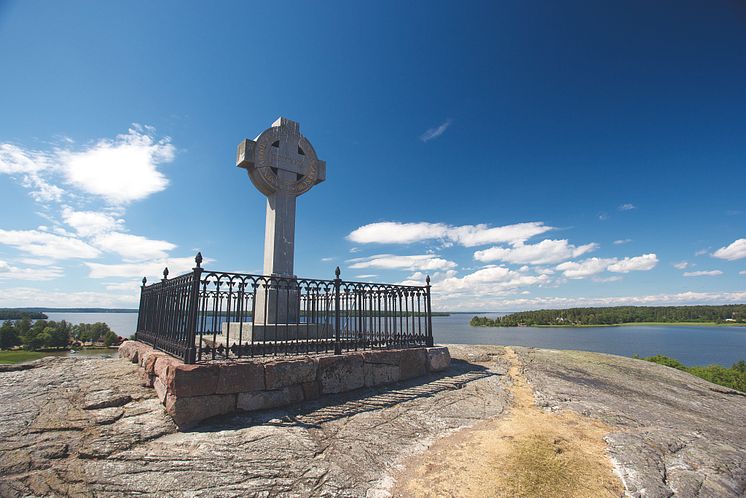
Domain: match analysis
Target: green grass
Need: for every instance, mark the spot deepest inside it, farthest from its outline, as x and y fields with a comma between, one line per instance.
x=733, y=377
x=8, y=357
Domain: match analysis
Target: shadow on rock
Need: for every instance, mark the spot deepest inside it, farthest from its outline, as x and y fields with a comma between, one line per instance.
x=337, y=406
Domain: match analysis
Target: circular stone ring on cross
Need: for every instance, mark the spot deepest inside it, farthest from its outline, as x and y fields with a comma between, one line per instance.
x=281, y=160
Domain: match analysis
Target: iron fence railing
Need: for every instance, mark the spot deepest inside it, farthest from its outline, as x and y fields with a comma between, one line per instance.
x=208, y=315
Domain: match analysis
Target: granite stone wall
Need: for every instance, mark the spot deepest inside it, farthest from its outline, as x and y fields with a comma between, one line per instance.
x=192, y=393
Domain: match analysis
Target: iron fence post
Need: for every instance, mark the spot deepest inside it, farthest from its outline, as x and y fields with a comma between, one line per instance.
x=337, y=324
x=140, y=317
x=429, y=315
x=190, y=353
x=162, y=315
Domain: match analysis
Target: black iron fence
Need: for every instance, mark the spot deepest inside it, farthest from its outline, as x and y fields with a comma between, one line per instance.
x=207, y=315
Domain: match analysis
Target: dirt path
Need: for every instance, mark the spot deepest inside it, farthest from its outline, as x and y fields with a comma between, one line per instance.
x=529, y=452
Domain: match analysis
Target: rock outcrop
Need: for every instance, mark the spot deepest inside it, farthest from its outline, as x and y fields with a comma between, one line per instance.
x=87, y=427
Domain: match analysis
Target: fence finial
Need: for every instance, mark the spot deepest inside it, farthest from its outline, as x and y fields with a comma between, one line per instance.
x=337, y=272
x=198, y=259
x=427, y=280
x=144, y=281
x=165, y=273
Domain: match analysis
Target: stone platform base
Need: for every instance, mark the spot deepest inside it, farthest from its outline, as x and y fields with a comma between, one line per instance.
x=281, y=332
x=192, y=393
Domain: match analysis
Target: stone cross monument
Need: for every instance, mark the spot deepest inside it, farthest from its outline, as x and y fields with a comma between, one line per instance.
x=282, y=165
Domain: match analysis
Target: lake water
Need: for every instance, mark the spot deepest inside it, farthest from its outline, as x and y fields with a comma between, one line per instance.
x=691, y=345
x=123, y=324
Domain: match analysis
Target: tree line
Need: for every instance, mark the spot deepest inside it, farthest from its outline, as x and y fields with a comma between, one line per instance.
x=48, y=334
x=617, y=315
x=16, y=314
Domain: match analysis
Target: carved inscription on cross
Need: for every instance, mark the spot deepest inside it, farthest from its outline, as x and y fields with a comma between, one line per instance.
x=282, y=164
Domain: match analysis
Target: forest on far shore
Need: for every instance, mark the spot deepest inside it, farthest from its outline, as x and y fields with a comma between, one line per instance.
x=617, y=315
x=18, y=314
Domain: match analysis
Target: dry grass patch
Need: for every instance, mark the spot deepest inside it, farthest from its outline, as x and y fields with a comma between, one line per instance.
x=529, y=453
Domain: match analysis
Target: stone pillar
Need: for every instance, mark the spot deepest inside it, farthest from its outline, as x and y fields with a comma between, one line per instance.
x=279, y=235
x=282, y=164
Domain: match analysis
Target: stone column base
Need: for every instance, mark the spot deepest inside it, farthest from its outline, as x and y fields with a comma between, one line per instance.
x=193, y=393
x=272, y=332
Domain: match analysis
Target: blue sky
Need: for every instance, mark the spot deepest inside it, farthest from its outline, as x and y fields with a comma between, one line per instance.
x=525, y=154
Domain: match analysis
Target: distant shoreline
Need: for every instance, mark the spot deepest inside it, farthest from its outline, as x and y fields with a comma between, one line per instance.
x=626, y=324
x=81, y=310
x=617, y=316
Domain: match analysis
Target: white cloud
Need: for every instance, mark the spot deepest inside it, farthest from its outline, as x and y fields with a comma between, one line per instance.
x=366, y=276
x=681, y=265
x=104, y=231
x=586, y=268
x=395, y=262
x=121, y=170
x=638, y=263
x=47, y=245
x=478, y=235
x=129, y=286
x=106, y=175
x=612, y=278
x=14, y=160
x=594, y=266
x=547, y=251
x=36, y=261
x=418, y=278
x=603, y=216
x=499, y=303
x=743, y=272
x=44, y=191
x=736, y=250
x=622, y=241
x=703, y=273
x=30, y=166
x=153, y=270
x=89, y=223
x=627, y=207
x=485, y=283
x=133, y=247
x=701, y=252
x=326, y=260
x=29, y=296
x=501, y=275
x=30, y=274
x=435, y=132
x=392, y=232
x=60, y=231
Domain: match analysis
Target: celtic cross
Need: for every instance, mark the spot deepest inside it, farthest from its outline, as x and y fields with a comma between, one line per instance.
x=282, y=164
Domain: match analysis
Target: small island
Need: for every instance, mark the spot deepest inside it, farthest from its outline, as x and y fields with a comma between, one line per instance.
x=729, y=314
